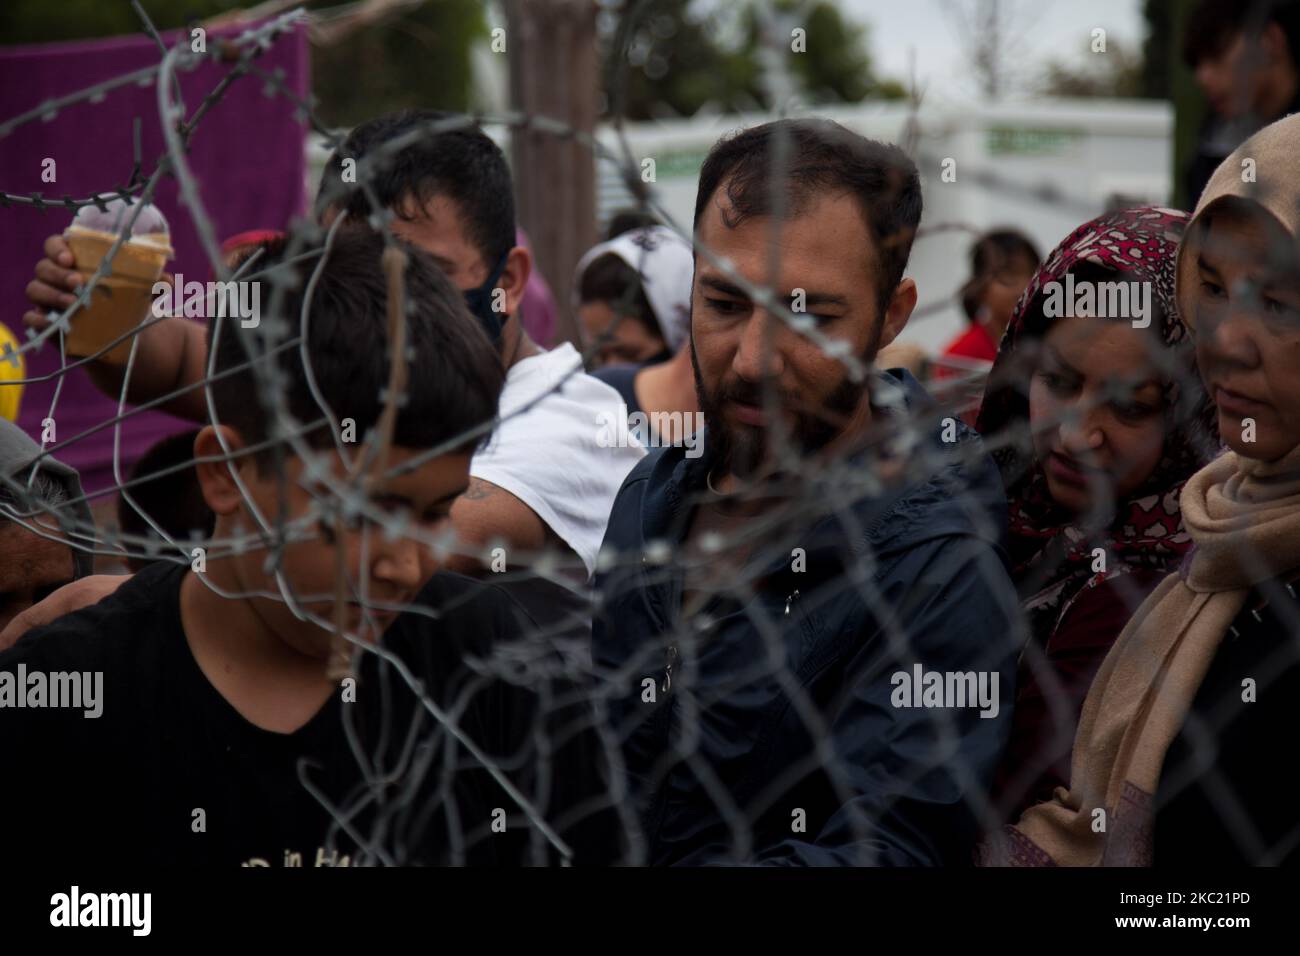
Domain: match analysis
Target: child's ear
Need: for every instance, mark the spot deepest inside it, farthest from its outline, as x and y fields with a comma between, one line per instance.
x=220, y=490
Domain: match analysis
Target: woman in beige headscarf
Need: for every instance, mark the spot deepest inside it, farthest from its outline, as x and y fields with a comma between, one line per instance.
x=1175, y=759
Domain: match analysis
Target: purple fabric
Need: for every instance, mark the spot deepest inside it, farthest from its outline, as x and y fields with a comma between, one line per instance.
x=246, y=155
x=538, y=304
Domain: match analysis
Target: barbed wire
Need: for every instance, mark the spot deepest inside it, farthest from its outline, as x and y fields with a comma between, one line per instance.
x=890, y=454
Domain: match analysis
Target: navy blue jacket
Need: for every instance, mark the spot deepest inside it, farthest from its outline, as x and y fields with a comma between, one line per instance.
x=770, y=728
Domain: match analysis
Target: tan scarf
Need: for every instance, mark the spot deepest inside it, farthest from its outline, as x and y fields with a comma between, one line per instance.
x=1244, y=517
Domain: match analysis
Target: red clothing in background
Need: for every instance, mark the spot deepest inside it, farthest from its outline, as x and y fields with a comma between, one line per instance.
x=974, y=343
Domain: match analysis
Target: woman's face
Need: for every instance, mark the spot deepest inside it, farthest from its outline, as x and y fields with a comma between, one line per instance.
x=1097, y=410
x=1245, y=305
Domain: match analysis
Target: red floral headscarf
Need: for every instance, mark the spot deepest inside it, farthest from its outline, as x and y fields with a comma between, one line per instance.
x=1146, y=530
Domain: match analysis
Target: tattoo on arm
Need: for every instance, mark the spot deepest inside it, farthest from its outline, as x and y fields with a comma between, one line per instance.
x=478, y=490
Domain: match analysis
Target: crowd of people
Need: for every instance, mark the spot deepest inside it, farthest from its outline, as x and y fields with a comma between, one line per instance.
x=397, y=597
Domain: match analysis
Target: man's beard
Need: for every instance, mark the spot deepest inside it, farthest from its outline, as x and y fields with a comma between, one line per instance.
x=744, y=450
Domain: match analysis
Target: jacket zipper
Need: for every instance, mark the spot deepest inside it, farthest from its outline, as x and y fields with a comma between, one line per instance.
x=659, y=801
x=670, y=656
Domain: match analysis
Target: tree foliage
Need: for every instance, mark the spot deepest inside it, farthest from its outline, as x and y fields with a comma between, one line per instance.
x=414, y=57
x=677, y=57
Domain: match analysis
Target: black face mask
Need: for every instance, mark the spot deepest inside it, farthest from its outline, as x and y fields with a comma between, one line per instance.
x=479, y=301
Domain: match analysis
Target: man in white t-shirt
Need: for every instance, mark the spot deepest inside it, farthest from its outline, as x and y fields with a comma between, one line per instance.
x=547, y=455
x=546, y=482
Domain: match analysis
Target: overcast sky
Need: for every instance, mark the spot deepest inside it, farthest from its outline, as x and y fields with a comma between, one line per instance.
x=1037, y=32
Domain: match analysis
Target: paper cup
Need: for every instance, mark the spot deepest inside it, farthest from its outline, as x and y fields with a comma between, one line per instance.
x=121, y=300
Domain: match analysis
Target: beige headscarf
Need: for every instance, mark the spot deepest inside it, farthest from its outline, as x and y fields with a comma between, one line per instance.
x=1244, y=517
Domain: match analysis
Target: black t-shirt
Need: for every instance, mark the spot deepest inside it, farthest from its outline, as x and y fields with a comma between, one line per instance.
x=170, y=774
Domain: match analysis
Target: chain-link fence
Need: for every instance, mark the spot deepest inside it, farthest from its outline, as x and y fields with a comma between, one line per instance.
x=838, y=655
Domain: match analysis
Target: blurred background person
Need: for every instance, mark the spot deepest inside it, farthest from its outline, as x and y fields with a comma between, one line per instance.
x=1001, y=264
x=1244, y=55
x=633, y=297
x=537, y=308
x=638, y=285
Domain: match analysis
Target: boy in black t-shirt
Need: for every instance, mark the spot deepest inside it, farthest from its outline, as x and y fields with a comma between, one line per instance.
x=239, y=707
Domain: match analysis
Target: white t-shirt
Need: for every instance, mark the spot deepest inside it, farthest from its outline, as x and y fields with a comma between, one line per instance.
x=557, y=454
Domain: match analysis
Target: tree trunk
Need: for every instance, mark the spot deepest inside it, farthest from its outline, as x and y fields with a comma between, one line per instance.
x=554, y=74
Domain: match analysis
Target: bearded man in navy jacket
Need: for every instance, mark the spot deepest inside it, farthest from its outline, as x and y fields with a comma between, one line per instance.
x=806, y=635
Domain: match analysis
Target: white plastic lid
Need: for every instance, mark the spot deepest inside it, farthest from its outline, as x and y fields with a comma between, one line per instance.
x=117, y=212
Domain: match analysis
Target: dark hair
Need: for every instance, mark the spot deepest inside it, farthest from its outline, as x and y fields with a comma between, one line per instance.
x=821, y=156
x=174, y=500
x=608, y=278
x=1214, y=24
x=625, y=220
x=989, y=255
x=456, y=374
x=462, y=164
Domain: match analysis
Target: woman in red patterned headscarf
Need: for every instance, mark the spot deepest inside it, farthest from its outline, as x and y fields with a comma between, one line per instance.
x=1096, y=418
